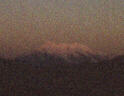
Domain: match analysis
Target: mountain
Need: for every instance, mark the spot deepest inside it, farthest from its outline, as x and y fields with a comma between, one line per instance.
x=61, y=53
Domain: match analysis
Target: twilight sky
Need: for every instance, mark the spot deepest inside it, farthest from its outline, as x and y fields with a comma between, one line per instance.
x=27, y=24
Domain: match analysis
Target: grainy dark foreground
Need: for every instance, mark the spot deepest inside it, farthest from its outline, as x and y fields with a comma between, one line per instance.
x=60, y=78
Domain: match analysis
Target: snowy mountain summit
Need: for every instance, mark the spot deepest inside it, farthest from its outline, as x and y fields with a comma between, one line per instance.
x=69, y=53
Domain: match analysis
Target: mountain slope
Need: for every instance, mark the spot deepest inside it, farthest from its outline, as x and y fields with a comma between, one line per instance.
x=61, y=53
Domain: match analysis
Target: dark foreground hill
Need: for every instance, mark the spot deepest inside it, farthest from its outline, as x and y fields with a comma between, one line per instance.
x=61, y=79
x=57, y=76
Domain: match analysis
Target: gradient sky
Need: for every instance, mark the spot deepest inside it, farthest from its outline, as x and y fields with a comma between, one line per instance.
x=27, y=24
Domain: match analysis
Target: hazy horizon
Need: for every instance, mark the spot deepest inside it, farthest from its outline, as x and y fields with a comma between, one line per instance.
x=26, y=25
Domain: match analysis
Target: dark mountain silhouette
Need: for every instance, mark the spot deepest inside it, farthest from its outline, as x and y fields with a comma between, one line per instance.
x=70, y=53
x=62, y=75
